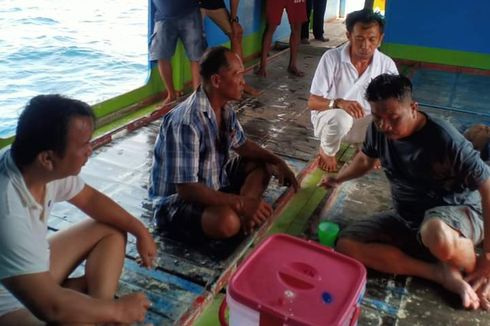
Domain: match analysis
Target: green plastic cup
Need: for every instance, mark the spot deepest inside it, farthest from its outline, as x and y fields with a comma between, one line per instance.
x=327, y=233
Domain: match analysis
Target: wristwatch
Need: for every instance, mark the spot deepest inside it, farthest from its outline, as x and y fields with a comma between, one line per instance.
x=234, y=19
x=333, y=103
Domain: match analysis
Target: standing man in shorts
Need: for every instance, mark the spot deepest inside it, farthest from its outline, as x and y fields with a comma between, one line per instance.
x=440, y=190
x=176, y=20
x=229, y=23
x=296, y=10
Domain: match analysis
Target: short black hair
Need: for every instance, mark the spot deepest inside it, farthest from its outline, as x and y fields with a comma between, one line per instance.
x=386, y=86
x=43, y=125
x=364, y=16
x=212, y=61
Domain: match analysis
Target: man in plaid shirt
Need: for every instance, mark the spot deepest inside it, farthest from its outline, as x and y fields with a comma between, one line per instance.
x=198, y=190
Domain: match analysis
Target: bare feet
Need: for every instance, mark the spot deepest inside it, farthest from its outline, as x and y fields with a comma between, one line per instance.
x=247, y=89
x=326, y=162
x=377, y=165
x=452, y=279
x=293, y=70
x=168, y=101
x=261, y=72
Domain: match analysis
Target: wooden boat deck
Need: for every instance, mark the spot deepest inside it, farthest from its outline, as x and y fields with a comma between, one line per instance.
x=187, y=280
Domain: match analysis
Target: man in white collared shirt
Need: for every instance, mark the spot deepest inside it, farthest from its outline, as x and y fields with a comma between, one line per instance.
x=339, y=110
x=41, y=168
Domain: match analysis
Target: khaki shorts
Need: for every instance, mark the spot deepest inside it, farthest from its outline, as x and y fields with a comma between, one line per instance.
x=390, y=228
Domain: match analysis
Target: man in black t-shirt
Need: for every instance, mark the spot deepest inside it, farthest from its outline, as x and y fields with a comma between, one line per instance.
x=441, y=197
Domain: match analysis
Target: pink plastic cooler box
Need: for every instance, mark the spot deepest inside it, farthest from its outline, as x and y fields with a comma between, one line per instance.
x=290, y=281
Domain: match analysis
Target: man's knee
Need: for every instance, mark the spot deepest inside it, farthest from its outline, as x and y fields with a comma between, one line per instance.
x=438, y=237
x=224, y=224
x=343, y=121
x=230, y=225
x=337, y=121
x=107, y=231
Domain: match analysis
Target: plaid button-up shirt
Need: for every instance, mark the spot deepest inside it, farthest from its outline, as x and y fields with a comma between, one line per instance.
x=189, y=148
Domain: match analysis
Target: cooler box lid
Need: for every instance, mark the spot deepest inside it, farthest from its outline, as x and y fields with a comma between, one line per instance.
x=299, y=281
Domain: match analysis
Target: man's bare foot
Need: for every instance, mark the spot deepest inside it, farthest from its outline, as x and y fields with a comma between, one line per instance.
x=377, y=165
x=169, y=100
x=326, y=162
x=248, y=89
x=295, y=71
x=261, y=72
x=452, y=279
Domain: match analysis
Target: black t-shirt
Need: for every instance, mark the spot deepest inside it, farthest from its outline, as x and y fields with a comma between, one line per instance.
x=436, y=166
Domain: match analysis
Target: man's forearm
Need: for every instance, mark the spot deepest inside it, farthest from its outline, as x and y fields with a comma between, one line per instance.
x=103, y=209
x=360, y=165
x=52, y=303
x=75, y=307
x=234, y=8
x=318, y=103
x=252, y=150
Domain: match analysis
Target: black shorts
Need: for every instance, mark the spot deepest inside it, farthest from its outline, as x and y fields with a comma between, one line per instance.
x=185, y=224
x=212, y=4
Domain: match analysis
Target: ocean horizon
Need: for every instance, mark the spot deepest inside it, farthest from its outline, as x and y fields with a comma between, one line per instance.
x=91, y=50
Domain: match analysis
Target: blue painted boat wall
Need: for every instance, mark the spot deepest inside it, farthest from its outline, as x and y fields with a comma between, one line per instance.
x=451, y=24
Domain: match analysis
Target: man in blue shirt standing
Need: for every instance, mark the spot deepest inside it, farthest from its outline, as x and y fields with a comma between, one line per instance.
x=176, y=20
x=198, y=191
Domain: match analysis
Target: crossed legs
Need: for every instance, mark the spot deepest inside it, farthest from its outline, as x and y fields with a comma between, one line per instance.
x=453, y=252
x=220, y=222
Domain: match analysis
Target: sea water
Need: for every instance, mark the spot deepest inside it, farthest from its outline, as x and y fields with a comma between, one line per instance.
x=91, y=50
